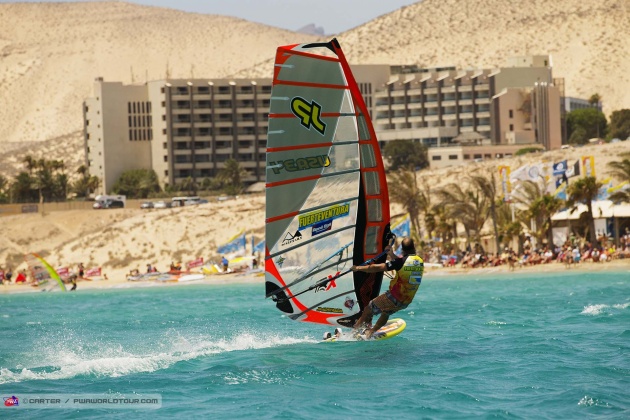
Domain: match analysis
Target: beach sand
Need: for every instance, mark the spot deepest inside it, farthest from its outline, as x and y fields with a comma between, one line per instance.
x=431, y=273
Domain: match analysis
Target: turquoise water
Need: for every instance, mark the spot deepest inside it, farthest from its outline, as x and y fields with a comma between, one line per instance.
x=529, y=346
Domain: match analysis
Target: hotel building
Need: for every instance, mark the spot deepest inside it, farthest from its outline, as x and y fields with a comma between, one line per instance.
x=187, y=129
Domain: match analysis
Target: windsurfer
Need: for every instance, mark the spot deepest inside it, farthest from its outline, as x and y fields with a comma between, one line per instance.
x=402, y=289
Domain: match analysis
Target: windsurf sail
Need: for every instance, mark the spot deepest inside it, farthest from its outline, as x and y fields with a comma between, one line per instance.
x=235, y=246
x=327, y=205
x=44, y=274
x=401, y=228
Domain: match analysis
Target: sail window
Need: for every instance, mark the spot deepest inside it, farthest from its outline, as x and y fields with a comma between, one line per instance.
x=375, y=210
x=364, y=132
x=368, y=160
x=372, y=185
x=372, y=240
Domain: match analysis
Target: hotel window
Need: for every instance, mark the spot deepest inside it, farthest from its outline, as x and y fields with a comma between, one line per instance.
x=452, y=157
x=511, y=127
x=437, y=157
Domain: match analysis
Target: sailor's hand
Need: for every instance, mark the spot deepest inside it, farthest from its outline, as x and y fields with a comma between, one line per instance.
x=354, y=268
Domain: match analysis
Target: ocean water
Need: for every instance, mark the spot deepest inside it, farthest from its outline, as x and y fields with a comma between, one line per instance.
x=509, y=346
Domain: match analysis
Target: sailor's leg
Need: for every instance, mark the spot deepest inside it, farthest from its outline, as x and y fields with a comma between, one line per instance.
x=366, y=316
x=382, y=320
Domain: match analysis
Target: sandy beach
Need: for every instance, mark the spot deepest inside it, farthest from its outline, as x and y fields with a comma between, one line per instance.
x=431, y=274
x=121, y=240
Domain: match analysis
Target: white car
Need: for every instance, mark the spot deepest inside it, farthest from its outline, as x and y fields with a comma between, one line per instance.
x=159, y=205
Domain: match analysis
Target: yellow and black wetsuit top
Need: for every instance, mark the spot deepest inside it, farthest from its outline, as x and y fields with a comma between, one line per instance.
x=406, y=282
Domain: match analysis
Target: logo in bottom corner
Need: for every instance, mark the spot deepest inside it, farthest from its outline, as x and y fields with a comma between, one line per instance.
x=290, y=238
x=11, y=401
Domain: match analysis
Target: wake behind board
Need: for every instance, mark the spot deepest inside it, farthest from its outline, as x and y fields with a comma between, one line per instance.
x=392, y=328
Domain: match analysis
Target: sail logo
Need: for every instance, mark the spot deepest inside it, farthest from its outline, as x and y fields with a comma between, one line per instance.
x=300, y=164
x=321, y=227
x=330, y=285
x=349, y=303
x=11, y=401
x=330, y=310
x=290, y=238
x=308, y=113
x=324, y=215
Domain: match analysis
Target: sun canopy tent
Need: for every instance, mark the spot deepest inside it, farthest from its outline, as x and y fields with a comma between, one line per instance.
x=601, y=209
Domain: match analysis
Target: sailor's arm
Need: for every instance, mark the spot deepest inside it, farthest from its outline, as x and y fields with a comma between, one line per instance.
x=371, y=268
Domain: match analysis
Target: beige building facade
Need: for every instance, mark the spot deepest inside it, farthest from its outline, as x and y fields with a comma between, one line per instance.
x=185, y=130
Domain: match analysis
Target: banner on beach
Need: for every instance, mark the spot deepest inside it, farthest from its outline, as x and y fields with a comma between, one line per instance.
x=504, y=178
x=588, y=165
x=236, y=244
x=197, y=262
x=93, y=272
x=63, y=272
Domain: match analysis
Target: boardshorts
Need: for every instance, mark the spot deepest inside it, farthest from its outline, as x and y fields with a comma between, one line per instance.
x=386, y=303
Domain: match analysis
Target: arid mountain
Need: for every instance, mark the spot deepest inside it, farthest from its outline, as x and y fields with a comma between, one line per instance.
x=587, y=40
x=51, y=53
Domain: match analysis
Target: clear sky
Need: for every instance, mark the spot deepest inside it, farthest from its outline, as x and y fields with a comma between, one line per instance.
x=335, y=16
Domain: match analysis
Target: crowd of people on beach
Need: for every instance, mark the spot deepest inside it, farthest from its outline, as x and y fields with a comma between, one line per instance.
x=571, y=253
x=66, y=274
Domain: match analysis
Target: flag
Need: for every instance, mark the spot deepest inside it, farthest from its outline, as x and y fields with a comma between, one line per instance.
x=519, y=174
x=588, y=165
x=236, y=244
x=560, y=181
x=559, y=168
x=561, y=191
x=604, y=190
x=620, y=187
x=574, y=170
x=401, y=228
x=260, y=246
x=535, y=172
x=504, y=177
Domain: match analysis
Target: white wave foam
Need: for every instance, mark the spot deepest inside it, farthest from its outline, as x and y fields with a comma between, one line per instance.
x=600, y=308
x=72, y=357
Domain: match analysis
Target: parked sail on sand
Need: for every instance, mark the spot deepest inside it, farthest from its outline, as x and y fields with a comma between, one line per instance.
x=44, y=274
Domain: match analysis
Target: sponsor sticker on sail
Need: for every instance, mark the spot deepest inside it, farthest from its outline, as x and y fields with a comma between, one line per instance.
x=325, y=214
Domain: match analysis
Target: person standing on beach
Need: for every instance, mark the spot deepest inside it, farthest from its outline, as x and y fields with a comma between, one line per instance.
x=402, y=289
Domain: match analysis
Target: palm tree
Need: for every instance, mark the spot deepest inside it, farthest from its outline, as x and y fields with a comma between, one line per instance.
x=540, y=206
x=404, y=191
x=621, y=170
x=232, y=176
x=585, y=190
x=30, y=163
x=545, y=207
x=508, y=228
x=489, y=190
x=469, y=207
